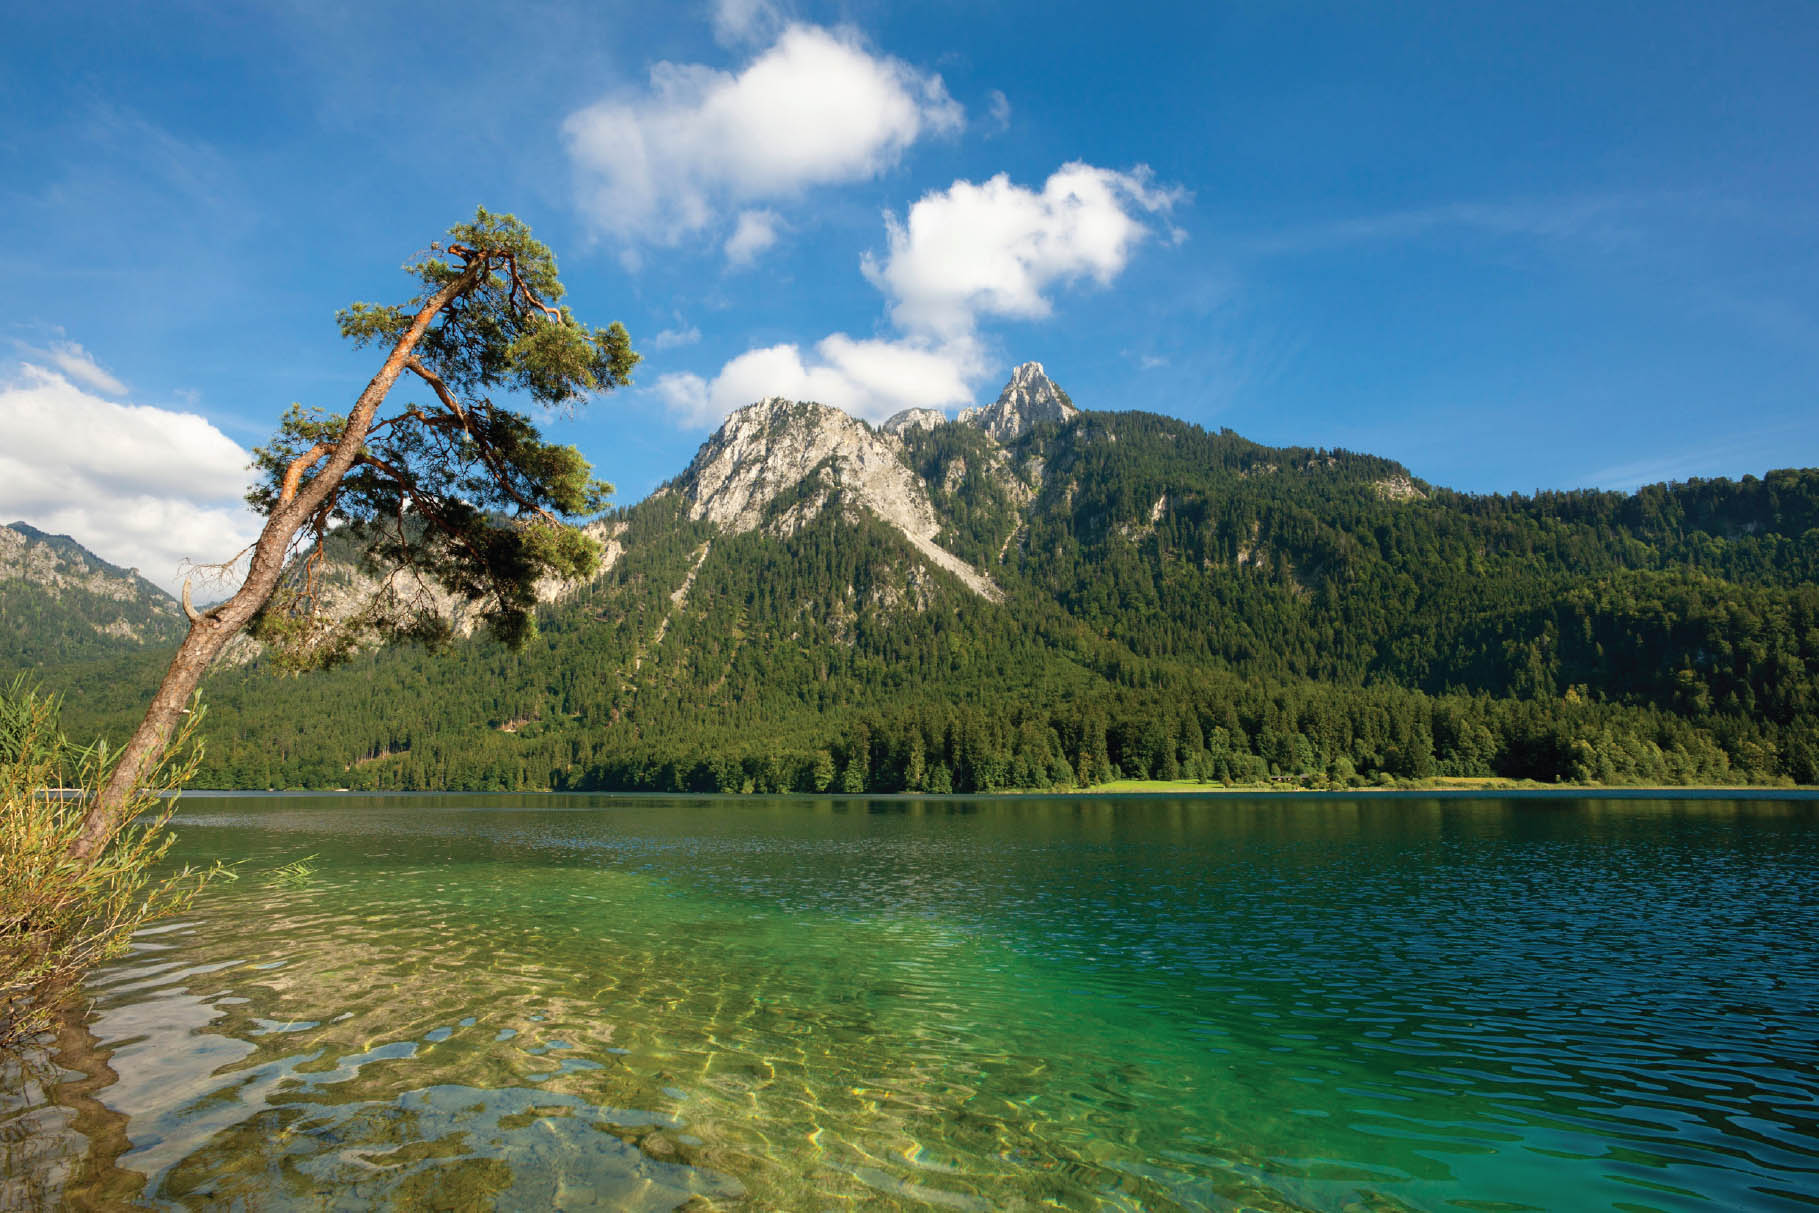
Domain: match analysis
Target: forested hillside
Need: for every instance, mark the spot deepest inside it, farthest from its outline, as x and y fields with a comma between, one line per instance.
x=1056, y=597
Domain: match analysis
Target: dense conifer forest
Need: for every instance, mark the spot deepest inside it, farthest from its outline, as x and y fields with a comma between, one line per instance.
x=1178, y=604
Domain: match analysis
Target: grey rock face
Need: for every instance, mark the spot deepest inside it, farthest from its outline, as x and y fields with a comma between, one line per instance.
x=346, y=589
x=913, y=419
x=1398, y=488
x=767, y=449
x=55, y=562
x=64, y=569
x=1029, y=399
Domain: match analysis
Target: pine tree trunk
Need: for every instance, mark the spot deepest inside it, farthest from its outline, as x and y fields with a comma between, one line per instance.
x=211, y=630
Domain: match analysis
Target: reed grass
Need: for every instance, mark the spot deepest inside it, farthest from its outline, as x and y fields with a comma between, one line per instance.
x=59, y=917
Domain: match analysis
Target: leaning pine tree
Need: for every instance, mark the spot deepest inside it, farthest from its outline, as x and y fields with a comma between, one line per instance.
x=453, y=493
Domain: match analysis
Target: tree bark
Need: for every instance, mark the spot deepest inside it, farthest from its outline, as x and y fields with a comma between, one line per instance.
x=210, y=631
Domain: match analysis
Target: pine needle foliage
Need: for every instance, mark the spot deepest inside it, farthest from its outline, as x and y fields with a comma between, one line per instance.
x=455, y=496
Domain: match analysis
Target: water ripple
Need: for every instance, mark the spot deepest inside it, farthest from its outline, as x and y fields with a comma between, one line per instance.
x=1013, y=1004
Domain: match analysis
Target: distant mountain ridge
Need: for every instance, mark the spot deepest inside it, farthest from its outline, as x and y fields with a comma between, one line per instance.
x=59, y=601
x=1032, y=591
x=57, y=559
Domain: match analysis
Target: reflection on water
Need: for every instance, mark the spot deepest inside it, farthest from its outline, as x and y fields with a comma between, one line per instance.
x=1010, y=1004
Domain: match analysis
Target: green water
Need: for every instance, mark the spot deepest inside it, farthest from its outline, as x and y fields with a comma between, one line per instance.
x=1095, y=1003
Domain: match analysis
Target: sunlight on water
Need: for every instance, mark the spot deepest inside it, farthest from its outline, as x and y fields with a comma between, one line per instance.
x=1014, y=1004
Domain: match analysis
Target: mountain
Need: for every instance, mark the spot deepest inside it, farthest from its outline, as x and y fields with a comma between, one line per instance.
x=61, y=602
x=1028, y=400
x=806, y=456
x=1035, y=594
x=366, y=603
x=914, y=419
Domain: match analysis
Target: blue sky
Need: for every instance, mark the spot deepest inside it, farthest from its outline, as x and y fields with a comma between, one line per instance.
x=1514, y=246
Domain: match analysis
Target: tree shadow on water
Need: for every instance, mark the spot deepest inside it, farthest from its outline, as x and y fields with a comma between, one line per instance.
x=59, y=1143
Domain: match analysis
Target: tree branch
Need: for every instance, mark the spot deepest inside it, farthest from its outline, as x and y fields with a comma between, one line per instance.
x=447, y=397
x=427, y=505
x=530, y=296
x=404, y=547
x=405, y=484
x=413, y=411
x=499, y=474
x=294, y=473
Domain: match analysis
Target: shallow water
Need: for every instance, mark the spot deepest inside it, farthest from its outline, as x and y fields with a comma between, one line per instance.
x=1094, y=1003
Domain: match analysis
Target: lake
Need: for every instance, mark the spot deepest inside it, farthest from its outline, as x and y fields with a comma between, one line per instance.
x=1366, y=1003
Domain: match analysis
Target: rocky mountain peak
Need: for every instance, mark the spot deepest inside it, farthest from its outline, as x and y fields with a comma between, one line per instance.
x=913, y=419
x=765, y=449
x=768, y=449
x=1029, y=399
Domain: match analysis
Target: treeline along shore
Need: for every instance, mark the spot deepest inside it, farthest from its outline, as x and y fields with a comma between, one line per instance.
x=1045, y=597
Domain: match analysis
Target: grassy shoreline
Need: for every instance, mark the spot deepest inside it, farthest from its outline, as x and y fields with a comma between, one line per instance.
x=1439, y=785
x=1443, y=783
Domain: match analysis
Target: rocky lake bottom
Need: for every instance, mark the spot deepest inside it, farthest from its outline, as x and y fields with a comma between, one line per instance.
x=1298, y=1002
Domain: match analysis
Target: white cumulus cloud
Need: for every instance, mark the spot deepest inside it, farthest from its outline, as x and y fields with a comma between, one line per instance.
x=139, y=486
x=996, y=249
x=816, y=108
x=963, y=255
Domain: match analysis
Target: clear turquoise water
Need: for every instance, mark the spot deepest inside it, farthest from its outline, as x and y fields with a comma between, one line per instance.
x=1096, y=1003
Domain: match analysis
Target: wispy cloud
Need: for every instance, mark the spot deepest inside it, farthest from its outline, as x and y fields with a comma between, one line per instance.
x=747, y=22
x=76, y=363
x=1757, y=449
x=1608, y=219
x=998, y=112
x=676, y=338
x=187, y=166
x=1679, y=245
x=1772, y=317
x=755, y=232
